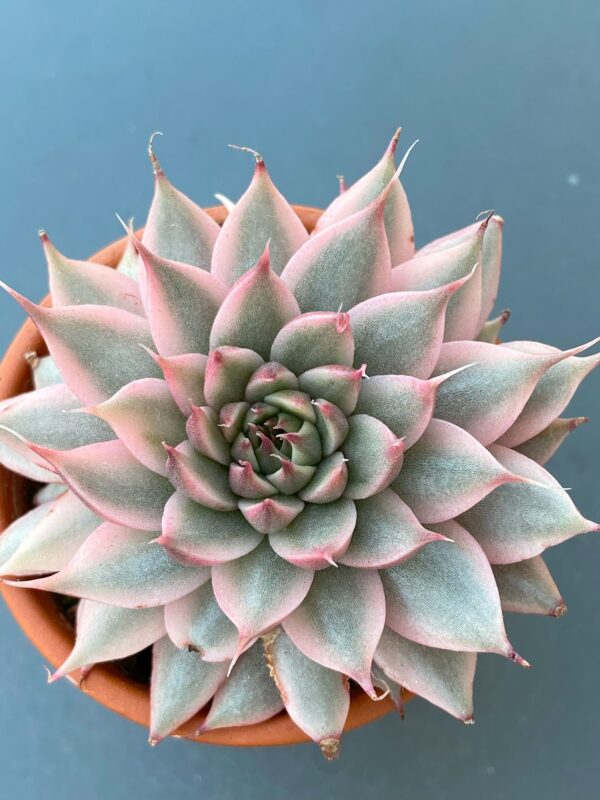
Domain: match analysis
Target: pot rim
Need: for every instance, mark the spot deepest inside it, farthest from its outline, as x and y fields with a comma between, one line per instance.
x=48, y=630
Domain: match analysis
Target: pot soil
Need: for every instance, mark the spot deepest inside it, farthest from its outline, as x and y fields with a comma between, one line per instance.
x=42, y=620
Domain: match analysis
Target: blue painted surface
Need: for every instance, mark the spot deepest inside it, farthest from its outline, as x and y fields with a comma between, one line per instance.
x=504, y=97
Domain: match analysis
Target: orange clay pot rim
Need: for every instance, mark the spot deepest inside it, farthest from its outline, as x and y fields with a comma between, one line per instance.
x=39, y=617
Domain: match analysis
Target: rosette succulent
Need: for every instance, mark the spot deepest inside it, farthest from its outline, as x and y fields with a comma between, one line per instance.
x=292, y=464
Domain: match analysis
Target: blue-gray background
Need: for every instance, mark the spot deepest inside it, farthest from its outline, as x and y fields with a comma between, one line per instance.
x=504, y=96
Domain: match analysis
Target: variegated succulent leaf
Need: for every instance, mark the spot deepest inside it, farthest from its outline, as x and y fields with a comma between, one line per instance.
x=289, y=461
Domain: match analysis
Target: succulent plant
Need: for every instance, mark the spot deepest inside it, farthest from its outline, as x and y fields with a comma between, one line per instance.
x=288, y=462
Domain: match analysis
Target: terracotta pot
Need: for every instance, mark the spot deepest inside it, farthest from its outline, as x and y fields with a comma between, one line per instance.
x=39, y=616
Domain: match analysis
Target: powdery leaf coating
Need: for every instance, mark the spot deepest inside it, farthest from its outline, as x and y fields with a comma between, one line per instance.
x=181, y=303
x=401, y=332
x=204, y=536
x=105, y=633
x=96, y=348
x=42, y=418
x=261, y=215
x=144, y=416
x=318, y=536
x=446, y=472
x=460, y=610
x=182, y=683
x=339, y=623
x=259, y=590
x=528, y=588
x=316, y=698
x=551, y=395
x=443, y=677
x=314, y=340
x=332, y=408
x=176, y=227
x=398, y=220
x=54, y=539
x=108, y=479
x=386, y=533
x=248, y=697
x=520, y=521
x=544, y=445
x=374, y=456
x=432, y=269
x=196, y=621
x=84, y=283
x=123, y=567
x=256, y=308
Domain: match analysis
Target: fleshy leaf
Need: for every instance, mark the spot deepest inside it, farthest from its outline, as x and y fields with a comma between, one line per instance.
x=261, y=215
x=318, y=536
x=544, y=445
x=227, y=372
x=488, y=397
x=328, y=482
x=445, y=596
x=491, y=258
x=122, y=567
x=331, y=424
x=55, y=539
x=338, y=384
x=551, y=395
x=271, y=514
x=197, y=622
x=144, y=415
x=290, y=478
x=401, y=333
x=258, y=305
x=398, y=219
x=257, y=591
x=520, y=521
x=316, y=698
x=184, y=375
x=403, y=403
x=269, y=378
x=96, y=348
x=200, y=535
x=386, y=533
x=444, y=677
x=86, y=283
x=344, y=264
x=105, y=633
x=528, y=588
x=314, y=340
x=446, y=472
x=247, y=697
x=431, y=269
x=245, y=482
x=112, y=483
x=181, y=303
x=176, y=227
x=41, y=417
x=21, y=529
x=182, y=683
x=200, y=478
x=374, y=456
x=205, y=434
x=340, y=621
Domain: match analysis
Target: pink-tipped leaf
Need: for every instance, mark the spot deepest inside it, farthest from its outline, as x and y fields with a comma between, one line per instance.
x=258, y=305
x=443, y=677
x=316, y=698
x=261, y=215
x=340, y=621
x=123, y=567
x=374, y=454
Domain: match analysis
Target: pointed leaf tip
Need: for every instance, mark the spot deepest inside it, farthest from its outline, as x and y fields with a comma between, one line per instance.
x=257, y=156
x=156, y=167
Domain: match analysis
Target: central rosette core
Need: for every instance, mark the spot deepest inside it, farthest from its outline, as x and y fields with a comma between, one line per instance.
x=265, y=442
